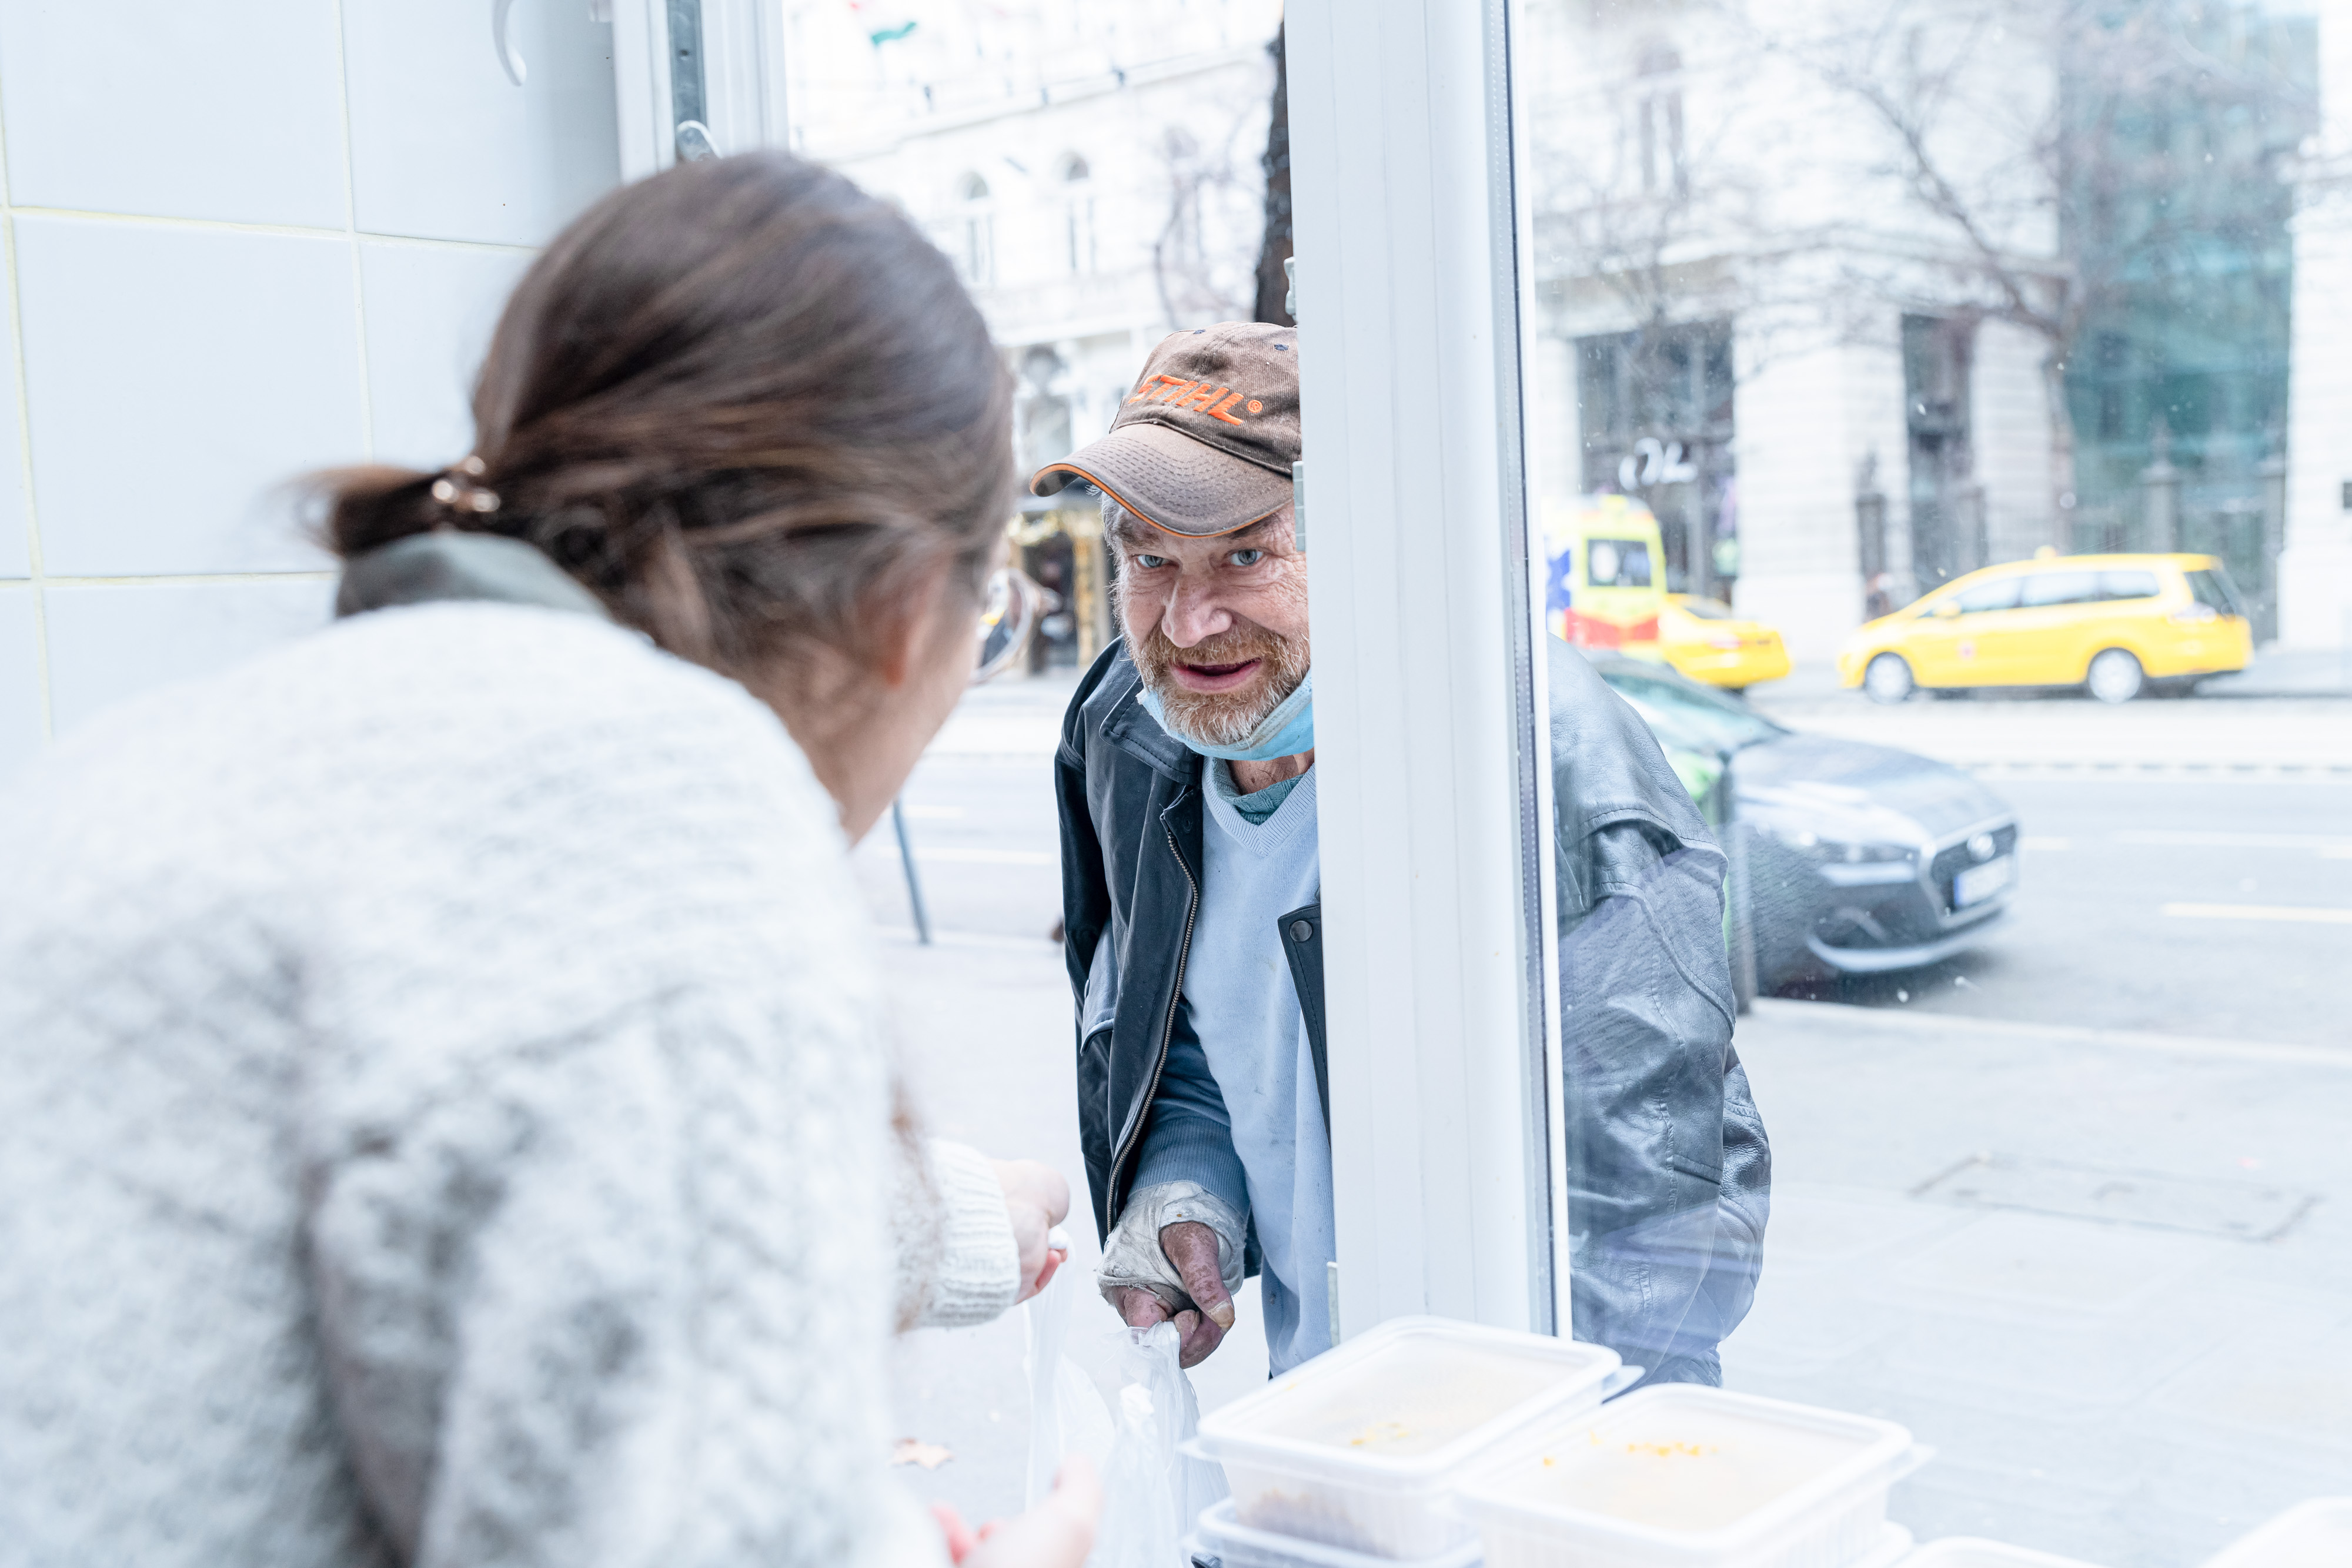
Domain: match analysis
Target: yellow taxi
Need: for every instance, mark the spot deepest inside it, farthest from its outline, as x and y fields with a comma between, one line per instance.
x=1707, y=641
x=2112, y=624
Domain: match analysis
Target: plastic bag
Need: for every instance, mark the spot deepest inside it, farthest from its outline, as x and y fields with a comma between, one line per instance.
x=1065, y=1413
x=1151, y=1491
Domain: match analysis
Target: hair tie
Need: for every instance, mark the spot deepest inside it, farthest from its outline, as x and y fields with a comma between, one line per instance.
x=455, y=487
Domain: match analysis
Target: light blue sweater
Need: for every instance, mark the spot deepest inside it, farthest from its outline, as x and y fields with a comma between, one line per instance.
x=1237, y=1111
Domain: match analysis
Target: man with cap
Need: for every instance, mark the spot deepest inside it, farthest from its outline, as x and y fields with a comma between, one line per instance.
x=1190, y=889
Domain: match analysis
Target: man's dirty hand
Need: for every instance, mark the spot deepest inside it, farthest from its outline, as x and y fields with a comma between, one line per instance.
x=1192, y=1248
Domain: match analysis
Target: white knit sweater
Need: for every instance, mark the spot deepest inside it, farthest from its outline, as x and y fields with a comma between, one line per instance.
x=444, y=1120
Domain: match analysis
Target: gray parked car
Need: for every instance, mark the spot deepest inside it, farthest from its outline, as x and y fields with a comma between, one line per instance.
x=1850, y=858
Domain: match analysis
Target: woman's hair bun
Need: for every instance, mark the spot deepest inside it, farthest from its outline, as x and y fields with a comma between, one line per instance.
x=743, y=402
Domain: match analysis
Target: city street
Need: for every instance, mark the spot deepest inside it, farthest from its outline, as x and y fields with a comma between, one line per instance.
x=2187, y=866
x=2219, y=909
x=2082, y=1161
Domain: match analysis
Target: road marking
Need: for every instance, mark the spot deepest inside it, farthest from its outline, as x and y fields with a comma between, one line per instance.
x=2046, y=771
x=2300, y=914
x=1846, y=1014
x=2330, y=845
x=952, y=854
x=1040, y=944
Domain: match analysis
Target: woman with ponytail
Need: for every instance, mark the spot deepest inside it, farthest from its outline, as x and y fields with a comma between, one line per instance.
x=448, y=1115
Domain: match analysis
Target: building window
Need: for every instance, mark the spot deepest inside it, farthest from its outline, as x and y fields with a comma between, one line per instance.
x=1948, y=515
x=976, y=255
x=1079, y=212
x=1657, y=425
x=1658, y=122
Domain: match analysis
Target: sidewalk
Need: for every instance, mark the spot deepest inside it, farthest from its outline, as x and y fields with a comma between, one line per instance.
x=2108, y=1276
x=984, y=1031
x=2274, y=673
x=2066, y=734
x=2126, y=1367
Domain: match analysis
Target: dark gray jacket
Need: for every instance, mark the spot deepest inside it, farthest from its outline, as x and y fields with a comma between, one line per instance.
x=1669, y=1172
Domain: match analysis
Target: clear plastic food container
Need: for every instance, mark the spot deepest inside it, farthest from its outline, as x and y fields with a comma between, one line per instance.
x=2316, y=1534
x=1966, y=1552
x=1361, y=1447
x=1687, y=1476
x=1223, y=1541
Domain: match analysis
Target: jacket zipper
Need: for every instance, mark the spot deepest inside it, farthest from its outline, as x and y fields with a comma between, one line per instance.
x=1168, y=1029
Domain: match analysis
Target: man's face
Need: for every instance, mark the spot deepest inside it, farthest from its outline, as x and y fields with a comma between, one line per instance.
x=1217, y=627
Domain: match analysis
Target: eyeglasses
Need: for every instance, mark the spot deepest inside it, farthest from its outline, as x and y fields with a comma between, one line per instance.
x=1008, y=613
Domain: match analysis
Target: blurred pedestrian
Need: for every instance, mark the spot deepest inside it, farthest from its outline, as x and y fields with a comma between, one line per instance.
x=1193, y=895
x=448, y=1119
x=1880, y=600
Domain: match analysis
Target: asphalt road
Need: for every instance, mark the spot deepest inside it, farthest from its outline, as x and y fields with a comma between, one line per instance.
x=2175, y=905
x=2168, y=906
x=2131, y=1388
x=986, y=849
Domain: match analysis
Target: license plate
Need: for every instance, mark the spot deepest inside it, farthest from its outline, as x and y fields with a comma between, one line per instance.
x=1979, y=883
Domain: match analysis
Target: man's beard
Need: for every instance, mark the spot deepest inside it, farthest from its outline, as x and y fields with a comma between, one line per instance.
x=1220, y=718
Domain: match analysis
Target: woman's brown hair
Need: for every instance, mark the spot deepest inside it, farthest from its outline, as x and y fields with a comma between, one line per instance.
x=747, y=406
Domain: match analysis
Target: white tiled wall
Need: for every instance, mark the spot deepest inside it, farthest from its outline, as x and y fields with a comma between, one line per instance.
x=430, y=310
x=245, y=239
x=21, y=719
x=107, y=642
x=174, y=373
x=15, y=530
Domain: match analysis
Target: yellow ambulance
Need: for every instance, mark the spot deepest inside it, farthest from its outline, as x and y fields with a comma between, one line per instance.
x=1605, y=582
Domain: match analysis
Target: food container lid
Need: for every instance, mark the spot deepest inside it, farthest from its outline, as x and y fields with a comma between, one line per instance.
x=1407, y=1402
x=1968, y=1552
x=2316, y=1534
x=1696, y=1471
x=1222, y=1536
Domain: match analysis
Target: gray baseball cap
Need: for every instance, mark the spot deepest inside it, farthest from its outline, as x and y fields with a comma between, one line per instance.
x=1205, y=444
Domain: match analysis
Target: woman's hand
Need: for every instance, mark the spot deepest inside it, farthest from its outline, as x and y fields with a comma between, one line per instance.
x=1057, y=1533
x=1036, y=1199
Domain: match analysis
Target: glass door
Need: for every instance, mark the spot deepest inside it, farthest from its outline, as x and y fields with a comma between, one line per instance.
x=1863, y=319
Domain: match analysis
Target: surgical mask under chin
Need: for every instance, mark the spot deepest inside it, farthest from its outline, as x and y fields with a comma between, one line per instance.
x=1288, y=730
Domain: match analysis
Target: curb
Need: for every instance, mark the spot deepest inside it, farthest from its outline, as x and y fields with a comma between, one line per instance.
x=2208, y=772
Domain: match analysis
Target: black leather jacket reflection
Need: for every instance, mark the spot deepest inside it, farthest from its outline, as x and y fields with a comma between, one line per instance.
x=1669, y=1170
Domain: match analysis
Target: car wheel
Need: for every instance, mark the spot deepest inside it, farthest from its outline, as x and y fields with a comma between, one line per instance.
x=2114, y=676
x=1889, y=679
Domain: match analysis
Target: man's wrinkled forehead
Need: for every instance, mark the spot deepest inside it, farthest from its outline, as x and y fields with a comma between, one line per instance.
x=1125, y=528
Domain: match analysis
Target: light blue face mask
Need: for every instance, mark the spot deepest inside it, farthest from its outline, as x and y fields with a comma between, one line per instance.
x=1288, y=730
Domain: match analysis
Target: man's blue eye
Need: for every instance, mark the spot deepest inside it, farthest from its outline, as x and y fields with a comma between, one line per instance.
x=1150, y=561
x=1248, y=556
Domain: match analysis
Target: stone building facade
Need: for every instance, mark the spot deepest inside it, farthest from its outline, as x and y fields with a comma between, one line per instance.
x=2315, y=562
x=1095, y=173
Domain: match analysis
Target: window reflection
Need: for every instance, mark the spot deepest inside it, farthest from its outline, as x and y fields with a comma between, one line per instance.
x=1978, y=350
x=1096, y=174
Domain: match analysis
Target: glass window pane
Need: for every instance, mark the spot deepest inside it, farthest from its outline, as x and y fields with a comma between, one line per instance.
x=2213, y=589
x=2061, y=588
x=1998, y=594
x=1839, y=303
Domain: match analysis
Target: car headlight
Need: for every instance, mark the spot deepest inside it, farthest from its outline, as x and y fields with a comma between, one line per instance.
x=1839, y=852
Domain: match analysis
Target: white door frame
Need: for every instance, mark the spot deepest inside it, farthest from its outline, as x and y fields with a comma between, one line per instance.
x=1434, y=810
x=742, y=62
